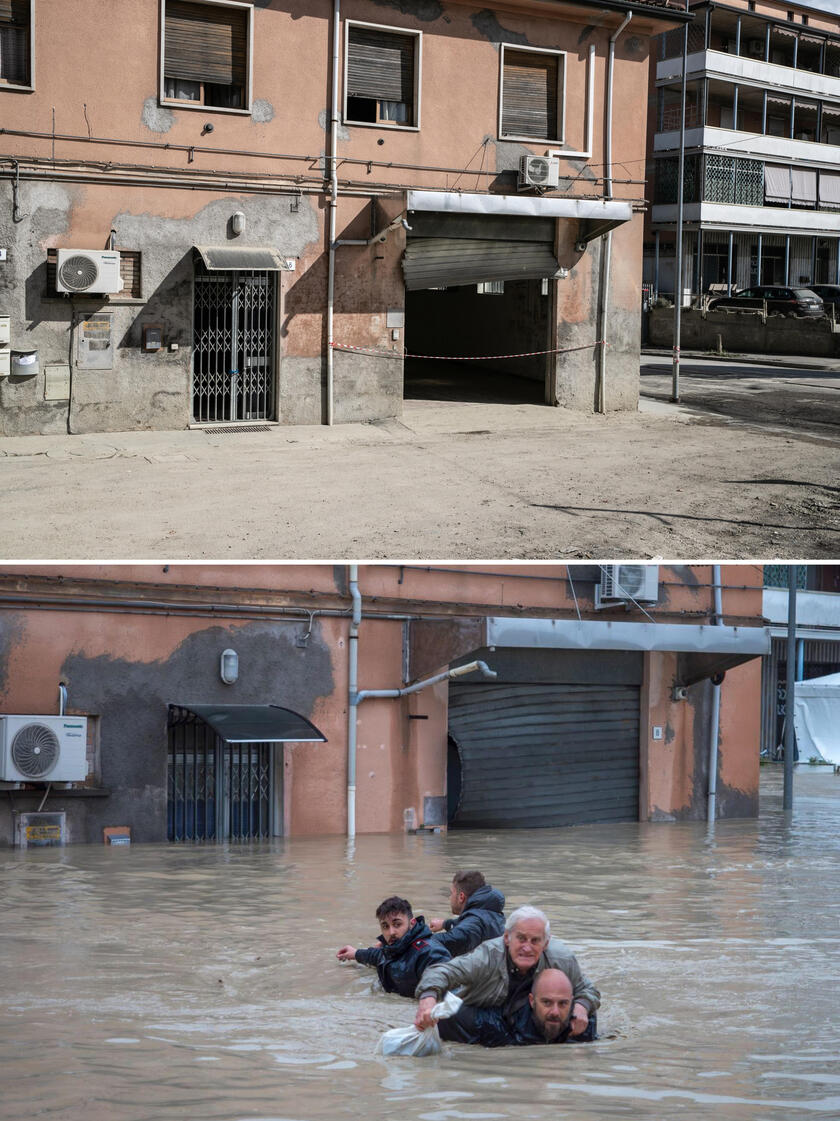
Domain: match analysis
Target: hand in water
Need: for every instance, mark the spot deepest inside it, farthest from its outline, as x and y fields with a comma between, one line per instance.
x=346, y=953
x=580, y=1020
x=423, y=1019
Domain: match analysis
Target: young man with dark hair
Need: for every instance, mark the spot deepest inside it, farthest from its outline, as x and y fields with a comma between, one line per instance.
x=479, y=911
x=406, y=947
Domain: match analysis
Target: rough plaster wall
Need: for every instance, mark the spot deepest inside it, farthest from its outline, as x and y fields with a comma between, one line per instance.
x=132, y=698
x=143, y=390
x=45, y=210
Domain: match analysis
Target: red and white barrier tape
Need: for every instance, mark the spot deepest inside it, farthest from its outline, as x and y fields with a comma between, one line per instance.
x=461, y=357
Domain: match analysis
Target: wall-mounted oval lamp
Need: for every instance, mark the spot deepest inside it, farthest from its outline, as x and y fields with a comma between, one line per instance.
x=237, y=222
x=229, y=666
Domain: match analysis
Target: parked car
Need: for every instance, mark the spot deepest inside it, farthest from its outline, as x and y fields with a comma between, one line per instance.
x=787, y=301
x=829, y=294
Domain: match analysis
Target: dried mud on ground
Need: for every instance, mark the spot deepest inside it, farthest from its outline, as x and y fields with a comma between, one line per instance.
x=449, y=480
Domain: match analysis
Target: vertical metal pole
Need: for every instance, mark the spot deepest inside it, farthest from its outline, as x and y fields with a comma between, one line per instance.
x=729, y=265
x=678, y=281
x=656, y=264
x=790, y=692
x=787, y=259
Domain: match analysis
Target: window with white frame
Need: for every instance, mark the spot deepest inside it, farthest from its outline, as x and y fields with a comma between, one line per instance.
x=15, y=43
x=532, y=94
x=382, y=70
x=206, y=53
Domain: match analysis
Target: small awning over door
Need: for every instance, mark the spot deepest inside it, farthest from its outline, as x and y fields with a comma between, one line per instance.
x=251, y=723
x=227, y=258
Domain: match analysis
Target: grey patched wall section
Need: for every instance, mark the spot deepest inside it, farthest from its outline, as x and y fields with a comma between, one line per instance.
x=150, y=391
x=132, y=699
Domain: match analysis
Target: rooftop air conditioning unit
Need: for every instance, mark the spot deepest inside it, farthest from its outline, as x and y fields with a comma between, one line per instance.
x=43, y=748
x=627, y=583
x=755, y=47
x=539, y=171
x=88, y=271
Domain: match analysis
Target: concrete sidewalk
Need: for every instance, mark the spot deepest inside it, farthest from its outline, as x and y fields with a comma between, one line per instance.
x=448, y=480
x=796, y=362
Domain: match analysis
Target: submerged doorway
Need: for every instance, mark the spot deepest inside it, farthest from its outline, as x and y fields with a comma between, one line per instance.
x=217, y=791
x=233, y=345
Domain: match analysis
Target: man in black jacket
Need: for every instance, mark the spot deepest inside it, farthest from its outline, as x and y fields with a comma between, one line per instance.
x=480, y=914
x=407, y=948
x=545, y=1017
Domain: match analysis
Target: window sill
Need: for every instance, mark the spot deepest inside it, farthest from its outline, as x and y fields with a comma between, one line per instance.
x=126, y=301
x=531, y=139
x=198, y=107
x=12, y=88
x=382, y=125
x=56, y=792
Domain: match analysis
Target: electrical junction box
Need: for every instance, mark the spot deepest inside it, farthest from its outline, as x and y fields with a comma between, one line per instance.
x=40, y=830
x=57, y=382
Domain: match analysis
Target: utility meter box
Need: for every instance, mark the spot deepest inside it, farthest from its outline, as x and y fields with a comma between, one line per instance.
x=40, y=830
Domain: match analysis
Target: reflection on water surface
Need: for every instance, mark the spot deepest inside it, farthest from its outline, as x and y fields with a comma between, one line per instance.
x=160, y=982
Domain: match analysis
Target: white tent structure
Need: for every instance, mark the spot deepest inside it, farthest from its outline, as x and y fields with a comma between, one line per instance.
x=816, y=719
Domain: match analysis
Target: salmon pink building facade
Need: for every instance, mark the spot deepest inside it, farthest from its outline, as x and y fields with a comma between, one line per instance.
x=229, y=702
x=259, y=212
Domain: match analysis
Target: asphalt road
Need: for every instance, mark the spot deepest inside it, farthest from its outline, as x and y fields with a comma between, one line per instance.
x=778, y=398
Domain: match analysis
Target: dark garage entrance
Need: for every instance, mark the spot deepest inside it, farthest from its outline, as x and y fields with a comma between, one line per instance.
x=479, y=285
x=553, y=741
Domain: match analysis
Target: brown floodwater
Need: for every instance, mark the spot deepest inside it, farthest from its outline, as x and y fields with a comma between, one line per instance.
x=159, y=982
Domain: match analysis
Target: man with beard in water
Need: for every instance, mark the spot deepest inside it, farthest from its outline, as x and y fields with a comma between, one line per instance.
x=500, y=972
x=545, y=1018
x=407, y=948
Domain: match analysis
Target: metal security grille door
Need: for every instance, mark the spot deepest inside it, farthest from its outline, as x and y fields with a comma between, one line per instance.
x=233, y=346
x=535, y=755
x=217, y=791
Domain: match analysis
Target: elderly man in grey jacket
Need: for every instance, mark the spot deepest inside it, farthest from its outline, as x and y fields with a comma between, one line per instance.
x=500, y=972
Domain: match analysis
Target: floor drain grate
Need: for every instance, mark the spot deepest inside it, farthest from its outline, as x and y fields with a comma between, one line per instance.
x=224, y=431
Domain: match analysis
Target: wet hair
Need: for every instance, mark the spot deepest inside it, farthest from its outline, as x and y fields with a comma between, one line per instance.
x=468, y=882
x=527, y=912
x=394, y=905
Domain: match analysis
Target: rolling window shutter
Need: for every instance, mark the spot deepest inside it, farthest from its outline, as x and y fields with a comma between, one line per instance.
x=380, y=65
x=205, y=43
x=15, y=11
x=14, y=54
x=530, y=95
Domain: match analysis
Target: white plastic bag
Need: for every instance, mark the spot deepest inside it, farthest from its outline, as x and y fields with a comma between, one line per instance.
x=412, y=1041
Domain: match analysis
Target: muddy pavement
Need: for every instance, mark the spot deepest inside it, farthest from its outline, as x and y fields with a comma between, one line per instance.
x=449, y=479
x=167, y=982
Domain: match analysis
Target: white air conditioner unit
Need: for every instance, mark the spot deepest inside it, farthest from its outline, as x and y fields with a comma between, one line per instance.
x=43, y=748
x=627, y=583
x=755, y=47
x=539, y=171
x=88, y=271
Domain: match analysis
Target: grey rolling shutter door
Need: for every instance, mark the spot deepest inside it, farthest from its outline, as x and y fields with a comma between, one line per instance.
x=530, y=95
x=536, y=755
x=380, y=65
x=205, y=43
x=445, y=263
x=447, y=250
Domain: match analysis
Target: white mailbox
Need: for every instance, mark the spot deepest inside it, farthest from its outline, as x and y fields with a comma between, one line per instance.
x=5, y=330
x=5, y=363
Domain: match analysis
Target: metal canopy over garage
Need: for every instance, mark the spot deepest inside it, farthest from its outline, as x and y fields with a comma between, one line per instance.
x=554, y=741
x=457, y=239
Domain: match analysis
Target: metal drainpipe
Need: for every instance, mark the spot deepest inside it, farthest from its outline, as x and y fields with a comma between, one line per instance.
x=333, y=206
x=606, y=254
x=62, y=699
x=352, y=698
x=715, y=722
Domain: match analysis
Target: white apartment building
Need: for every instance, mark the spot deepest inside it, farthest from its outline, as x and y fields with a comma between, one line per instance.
x=761, y=193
